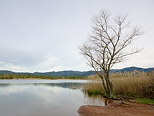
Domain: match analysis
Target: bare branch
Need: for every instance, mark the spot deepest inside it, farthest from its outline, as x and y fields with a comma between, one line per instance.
x=108, y=41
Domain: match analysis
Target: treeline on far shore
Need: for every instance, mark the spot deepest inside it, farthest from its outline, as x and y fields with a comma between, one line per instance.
x=29, y=76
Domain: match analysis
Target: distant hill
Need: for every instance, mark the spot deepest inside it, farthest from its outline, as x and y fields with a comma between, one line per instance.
x=78, y=73
x=6, y=72
x=130, y=69
x=66, y=73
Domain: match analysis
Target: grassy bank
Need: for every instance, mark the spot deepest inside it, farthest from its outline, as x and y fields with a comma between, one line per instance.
x=126, y=85
x=144, y=101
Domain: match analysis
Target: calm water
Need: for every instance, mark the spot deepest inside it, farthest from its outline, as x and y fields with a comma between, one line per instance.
x=44, y=97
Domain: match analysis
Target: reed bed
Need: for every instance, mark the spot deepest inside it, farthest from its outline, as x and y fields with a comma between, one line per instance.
x=133, y=85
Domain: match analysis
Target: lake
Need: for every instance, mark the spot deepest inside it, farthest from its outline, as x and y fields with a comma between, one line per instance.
x=44, y=97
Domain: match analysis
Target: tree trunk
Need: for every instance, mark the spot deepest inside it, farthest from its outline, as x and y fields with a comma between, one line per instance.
x=108, y=86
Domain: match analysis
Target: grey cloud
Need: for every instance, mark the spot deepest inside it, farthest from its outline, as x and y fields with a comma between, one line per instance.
x=43, y=35
x=20, y=57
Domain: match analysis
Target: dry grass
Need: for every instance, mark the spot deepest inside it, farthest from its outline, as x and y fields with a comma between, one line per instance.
x=93, y=88
x=134, y=84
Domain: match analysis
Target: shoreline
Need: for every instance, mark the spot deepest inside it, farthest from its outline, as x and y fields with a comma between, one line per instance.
x=41, y=79
x=117, y=108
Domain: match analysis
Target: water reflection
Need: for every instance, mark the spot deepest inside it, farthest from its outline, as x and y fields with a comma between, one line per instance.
x=97, y=99
x=44, y=99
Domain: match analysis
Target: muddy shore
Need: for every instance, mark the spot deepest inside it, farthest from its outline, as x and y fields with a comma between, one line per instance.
x=117, y=109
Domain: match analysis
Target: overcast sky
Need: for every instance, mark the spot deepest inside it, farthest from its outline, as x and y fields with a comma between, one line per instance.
x=43, y=35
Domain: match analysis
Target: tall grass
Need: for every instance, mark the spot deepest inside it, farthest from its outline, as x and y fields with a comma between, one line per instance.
x=135, y=84
x=93, y=88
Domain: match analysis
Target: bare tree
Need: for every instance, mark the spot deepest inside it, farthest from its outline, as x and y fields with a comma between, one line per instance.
x=107, y=45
